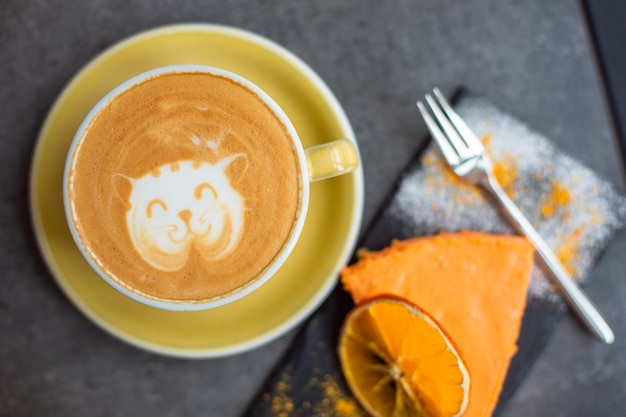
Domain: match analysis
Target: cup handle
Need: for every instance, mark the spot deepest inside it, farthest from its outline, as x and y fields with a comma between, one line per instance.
x=331, y=159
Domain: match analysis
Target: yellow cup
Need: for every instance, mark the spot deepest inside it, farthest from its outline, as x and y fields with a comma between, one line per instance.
x=315, y=163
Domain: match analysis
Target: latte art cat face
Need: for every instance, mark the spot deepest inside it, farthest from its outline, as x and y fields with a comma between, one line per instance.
x=182, y=205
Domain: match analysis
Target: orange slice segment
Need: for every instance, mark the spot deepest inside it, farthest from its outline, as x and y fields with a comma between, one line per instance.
x=398, y=361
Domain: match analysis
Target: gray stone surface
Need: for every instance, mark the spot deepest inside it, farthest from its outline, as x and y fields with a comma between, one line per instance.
x=531, y=58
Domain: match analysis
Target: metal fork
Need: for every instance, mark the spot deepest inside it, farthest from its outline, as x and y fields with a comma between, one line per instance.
x=465, y=155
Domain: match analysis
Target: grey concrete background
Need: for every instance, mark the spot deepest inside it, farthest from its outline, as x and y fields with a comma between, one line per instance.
x=531, y=58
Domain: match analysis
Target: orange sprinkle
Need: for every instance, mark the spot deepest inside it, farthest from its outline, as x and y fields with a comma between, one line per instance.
x=558, y=197
x=486, y=139
x=505, y=171
x=567, y=252
x=341, y=404
x=333, y=402
x=596, y=217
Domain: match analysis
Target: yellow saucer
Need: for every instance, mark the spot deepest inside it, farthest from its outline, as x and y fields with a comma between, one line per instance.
x=329, y=235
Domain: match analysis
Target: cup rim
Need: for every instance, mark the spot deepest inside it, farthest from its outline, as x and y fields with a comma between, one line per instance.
x=239, y=292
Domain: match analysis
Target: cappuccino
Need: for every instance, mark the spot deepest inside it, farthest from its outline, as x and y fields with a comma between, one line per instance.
x=186, y=186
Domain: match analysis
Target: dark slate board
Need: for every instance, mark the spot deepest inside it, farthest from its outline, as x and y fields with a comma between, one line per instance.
x=313, y=357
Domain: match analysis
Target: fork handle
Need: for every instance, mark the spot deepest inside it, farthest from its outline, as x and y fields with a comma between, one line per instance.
x=575, y=297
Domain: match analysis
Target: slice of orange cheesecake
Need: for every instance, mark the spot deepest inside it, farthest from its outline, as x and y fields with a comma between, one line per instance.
x=473, y=284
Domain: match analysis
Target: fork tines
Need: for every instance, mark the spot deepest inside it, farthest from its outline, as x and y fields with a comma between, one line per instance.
x=455, y=139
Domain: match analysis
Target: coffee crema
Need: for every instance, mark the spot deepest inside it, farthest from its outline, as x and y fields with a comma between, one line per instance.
x=185, y=187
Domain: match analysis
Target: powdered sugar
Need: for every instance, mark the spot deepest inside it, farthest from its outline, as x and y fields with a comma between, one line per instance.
x=574, y=210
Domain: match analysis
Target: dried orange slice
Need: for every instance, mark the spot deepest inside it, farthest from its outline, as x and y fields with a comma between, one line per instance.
x=397, y=361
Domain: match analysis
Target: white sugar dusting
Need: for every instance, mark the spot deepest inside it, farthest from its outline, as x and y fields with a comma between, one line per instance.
x=574, y=210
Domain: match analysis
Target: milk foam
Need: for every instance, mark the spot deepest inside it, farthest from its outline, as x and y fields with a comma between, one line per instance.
x=184, y=204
